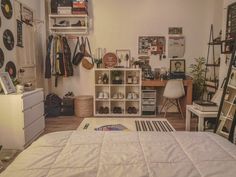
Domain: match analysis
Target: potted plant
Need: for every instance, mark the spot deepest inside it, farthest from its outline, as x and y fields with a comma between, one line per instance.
x=198, y=74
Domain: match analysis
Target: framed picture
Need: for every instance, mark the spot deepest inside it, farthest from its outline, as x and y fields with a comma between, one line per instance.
x=175, y=30
x=177, y=66
x=124, y=57
x=6, y=83
x=151, y=45
x=26, y=15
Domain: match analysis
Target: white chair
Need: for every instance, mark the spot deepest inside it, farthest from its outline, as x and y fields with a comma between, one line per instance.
x=174, y=90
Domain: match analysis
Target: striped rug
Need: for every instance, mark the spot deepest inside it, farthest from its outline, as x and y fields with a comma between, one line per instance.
x=125, y=124
x=157, y=125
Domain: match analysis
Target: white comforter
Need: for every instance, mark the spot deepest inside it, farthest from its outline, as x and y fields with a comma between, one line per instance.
x=126, y=154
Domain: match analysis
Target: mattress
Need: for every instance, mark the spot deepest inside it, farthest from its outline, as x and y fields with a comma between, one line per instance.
x=126, y=154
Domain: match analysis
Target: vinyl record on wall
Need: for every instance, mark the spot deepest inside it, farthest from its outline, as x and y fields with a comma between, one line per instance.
x=11, y=69
x=1, y=58
x=6, y=8
x=8, y=39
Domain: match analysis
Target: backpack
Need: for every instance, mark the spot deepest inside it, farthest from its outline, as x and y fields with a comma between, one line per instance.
x=53, y=105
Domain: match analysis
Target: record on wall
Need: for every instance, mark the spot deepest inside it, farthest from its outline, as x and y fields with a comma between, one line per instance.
x=11, y=69
x=6, y=8
x=1, y=58
x=8, y=39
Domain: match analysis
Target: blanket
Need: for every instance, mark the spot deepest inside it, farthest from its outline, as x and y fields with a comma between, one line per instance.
x=126, y=154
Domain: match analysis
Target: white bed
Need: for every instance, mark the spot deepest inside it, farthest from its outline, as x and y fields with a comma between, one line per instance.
x=126, y=154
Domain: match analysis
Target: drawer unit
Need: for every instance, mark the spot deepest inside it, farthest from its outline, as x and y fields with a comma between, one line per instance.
x=149, y=102
x=21, y=118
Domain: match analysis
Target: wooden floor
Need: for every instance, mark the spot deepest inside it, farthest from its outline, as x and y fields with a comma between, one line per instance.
x=63, y=123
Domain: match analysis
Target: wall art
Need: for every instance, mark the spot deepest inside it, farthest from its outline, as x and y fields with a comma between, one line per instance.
x=124, y=57
x=175, y=30
x=26, y=15
x=6, y=83
x=177, y=66
x=11, y=69
x=19, y=36
x=1, y=58
x=7, y=8
x=8, y=39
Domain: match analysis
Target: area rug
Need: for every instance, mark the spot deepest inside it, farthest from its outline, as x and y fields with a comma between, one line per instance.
x=126, y=124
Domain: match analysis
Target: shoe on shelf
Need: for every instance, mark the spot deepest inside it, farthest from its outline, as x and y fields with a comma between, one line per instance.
x=101, y=110
x=129, y=110
x=114, y=110
x=106, y=110
x=115, y=96
x=100, y=95
x=121, y=96
x=135, y=95
x=63, y=23
x=77, y=24
x=105, y=95
x=134, y=110
x=129, y=96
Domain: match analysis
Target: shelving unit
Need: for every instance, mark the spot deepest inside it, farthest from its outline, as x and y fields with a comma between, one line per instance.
x=226, y=118
x=71, y=19
x=117, y=96
x=212, y=66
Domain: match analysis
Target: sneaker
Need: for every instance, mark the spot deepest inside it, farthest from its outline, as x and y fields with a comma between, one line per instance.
x=101, y=110
x=106, y=110
x=105, y=95
x=100, y=95
x=77, y=24
x=135, y=95
x=121, y=96
x=115, y=96
x=134, y=110
x=129, y=110
x=129, y=96
x=62, y=23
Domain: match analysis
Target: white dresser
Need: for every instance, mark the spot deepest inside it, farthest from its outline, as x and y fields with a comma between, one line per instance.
x=21, y=118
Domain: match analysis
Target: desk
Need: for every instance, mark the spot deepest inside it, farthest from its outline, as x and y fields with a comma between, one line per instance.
x=188, y=84
x=201, y=115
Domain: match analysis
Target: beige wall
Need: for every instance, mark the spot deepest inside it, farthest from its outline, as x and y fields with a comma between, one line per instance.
x=117, y=25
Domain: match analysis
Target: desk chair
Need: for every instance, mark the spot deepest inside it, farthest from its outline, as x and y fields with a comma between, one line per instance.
x=174, y=90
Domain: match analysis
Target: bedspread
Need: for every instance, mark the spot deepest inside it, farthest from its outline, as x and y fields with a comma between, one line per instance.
x=126, y=154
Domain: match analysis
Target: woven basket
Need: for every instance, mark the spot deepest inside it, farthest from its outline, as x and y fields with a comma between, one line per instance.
x=84, y=106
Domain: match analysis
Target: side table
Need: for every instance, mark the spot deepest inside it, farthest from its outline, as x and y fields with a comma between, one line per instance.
x=201, y=115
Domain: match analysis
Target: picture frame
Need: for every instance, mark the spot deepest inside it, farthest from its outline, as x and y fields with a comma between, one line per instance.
x=26, y=15
x=124, y=57
x=177, y=66
x=6, y=83
x=175, y=30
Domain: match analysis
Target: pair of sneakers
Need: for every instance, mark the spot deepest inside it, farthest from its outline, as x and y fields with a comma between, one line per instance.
x=117, y=110
x=132, y=95
x=132, y=110
x=103, y=95
x=103, y=110
x=118, y=96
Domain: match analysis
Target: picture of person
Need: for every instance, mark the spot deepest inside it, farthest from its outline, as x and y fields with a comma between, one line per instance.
x=178, y=67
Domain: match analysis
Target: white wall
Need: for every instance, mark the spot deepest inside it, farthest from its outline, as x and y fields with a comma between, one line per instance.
x=117, y=25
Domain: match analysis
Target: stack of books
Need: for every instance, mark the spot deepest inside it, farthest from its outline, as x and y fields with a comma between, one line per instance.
x=79, y=7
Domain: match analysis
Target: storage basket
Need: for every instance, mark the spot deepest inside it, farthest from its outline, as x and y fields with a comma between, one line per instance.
x=84, y=106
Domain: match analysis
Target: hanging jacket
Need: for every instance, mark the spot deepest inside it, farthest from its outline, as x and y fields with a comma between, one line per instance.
x=47, y=61
x=67, y=58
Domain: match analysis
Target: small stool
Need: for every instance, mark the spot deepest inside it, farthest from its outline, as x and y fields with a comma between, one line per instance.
x=84, y=106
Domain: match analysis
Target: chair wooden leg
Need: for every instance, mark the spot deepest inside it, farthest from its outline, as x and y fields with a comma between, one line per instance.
x=180, y=109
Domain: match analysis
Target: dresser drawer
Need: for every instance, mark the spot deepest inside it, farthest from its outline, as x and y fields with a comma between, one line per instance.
x=33, y=113
x=33, y=130
x=32, y=99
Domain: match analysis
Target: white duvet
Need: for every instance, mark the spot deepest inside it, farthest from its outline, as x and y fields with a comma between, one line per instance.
x=126, y=154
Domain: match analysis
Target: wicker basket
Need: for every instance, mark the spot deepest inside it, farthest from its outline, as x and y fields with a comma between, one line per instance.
x=84, y=106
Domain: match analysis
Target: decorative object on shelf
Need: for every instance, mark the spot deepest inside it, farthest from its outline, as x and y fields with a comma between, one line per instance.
x=1, y=58
x=8, y=39
x=124, y=57
x=6, y=83
x=198, y=74
x=11, y=69
x=151, y=45
x=116, y=77
x=175, y=30
x=26, y=15
x=105, y=79
x=6, y=7
x=19, y=35
x=80, y=7
x=177, y=66
x=109, y=60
